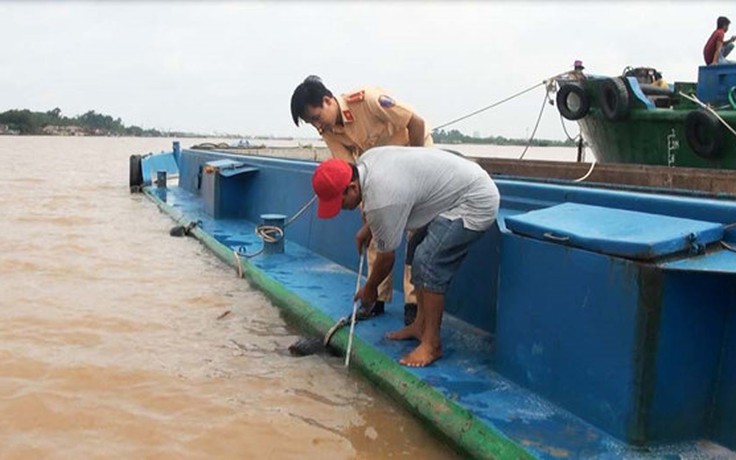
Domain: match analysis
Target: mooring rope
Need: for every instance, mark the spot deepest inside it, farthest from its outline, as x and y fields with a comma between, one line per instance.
x=271, y=233
x=335, y=327
x=539, y=118
x=590, y=171
x=495, y=104
x=548, y=83
x=709, y=109
x=723, y=243
x=564, y=129
x=728, y=246
x=577, y=138
x=464, y=117
x=300, y=212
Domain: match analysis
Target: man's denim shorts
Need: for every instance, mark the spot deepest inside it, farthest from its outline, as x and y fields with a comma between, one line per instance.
x=435, y=252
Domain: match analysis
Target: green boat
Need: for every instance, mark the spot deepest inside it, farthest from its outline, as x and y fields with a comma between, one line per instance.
x=638, y=118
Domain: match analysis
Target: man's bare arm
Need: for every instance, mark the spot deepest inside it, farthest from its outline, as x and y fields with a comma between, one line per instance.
x=416, y=131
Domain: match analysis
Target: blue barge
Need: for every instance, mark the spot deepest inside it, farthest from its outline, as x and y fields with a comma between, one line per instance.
x=589, y=322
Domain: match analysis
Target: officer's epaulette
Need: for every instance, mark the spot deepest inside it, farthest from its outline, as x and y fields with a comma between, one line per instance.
x=355, y=97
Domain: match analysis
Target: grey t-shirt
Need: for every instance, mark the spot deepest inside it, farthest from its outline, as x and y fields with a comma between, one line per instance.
x=404, y=188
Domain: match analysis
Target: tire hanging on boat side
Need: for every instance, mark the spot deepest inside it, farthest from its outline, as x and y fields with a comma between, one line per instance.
x=136, y=174
x=613, y=97
x=704, y=134
x=568, y=94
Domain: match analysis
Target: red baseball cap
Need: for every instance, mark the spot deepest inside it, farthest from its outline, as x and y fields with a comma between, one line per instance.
x=329, y=182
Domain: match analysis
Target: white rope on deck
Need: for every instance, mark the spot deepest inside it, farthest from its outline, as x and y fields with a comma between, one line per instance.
x=272, y=233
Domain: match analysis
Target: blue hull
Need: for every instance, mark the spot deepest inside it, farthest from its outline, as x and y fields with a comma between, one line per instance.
x=590, y=322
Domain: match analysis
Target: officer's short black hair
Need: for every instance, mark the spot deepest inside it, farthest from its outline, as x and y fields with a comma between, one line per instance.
x=723, y=22
x=309, y=92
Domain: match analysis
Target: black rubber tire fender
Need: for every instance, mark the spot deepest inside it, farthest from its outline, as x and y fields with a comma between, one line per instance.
x=563, y=101
x=704, y=134
x=136, y=173
x=614, y=99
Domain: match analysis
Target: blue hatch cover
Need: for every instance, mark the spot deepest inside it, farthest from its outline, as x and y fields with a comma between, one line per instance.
x=228, y=168
x=631, y=234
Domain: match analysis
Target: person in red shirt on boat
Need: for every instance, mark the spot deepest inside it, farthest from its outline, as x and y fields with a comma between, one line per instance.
x=717, y=47
x=350, y=124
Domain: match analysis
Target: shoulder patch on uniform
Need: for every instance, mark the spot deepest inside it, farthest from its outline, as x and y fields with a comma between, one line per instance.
x=386, y=101
x=347, y=116
x=356, y=97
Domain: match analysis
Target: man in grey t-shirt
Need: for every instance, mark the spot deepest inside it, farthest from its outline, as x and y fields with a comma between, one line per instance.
x=446, y=200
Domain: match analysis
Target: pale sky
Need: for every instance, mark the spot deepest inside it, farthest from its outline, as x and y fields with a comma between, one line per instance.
x=231, y=67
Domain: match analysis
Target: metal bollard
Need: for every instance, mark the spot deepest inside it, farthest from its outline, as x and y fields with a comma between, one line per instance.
x=161, y=179
x=274, y=220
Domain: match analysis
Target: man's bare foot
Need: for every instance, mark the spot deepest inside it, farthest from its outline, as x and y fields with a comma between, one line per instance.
x=409, y=332
x=423, y=355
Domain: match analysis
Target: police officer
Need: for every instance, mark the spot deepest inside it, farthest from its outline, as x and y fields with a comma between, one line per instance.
x=350, y=124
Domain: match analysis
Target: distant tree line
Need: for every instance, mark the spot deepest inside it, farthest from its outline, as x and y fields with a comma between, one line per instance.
x=454, y=136
x=91, y=123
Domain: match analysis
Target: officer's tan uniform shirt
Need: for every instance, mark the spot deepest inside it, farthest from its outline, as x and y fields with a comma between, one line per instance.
x=371, y=118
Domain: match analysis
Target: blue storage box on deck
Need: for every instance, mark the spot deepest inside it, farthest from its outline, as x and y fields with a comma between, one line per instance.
x=618, y=232
x=220, y=180
x=714, y=82
x=588, y=317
